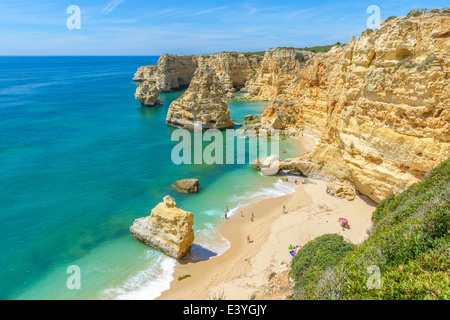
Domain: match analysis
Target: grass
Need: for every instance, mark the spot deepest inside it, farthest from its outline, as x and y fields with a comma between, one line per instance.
x=409, y=243
x=315, y=48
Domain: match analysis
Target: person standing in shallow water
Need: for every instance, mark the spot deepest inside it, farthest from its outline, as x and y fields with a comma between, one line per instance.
x=226, y=213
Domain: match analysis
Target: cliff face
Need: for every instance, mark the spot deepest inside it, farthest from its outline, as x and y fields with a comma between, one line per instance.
x=175, y=72
x=233, y=69
x=302, y=104
x=168, y=229
x=204, y=101
x=279, y=68
x=386, y=102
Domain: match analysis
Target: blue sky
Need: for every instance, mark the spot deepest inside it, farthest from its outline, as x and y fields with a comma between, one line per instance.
x=148, y=27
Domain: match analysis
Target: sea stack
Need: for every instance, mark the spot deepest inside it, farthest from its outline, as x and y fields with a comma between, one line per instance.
x=203, y=102
x=147, y=93
x=167, y=229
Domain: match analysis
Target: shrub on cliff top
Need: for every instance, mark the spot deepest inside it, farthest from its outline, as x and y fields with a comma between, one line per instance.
x=410, y=244
x=317, y=256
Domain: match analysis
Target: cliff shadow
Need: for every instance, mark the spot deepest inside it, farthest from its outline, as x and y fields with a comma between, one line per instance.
x=197, y=254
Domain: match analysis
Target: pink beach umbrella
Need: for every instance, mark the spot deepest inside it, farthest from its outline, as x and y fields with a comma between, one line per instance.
x=343, y=220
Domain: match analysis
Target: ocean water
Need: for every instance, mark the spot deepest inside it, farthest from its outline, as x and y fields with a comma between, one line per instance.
x=80, y=160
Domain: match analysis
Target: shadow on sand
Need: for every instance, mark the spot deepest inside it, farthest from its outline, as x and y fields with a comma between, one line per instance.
x=197, y=254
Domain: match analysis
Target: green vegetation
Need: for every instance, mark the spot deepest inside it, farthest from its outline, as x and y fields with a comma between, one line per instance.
x=183, y=277
x=321, y=48
x=300, y=57
x=424, y=66
x=426, y=63
x=391, y=18
x=419, y=12
x=409, y=243
x=315, y=48
x=317, y=257
x=256, y=53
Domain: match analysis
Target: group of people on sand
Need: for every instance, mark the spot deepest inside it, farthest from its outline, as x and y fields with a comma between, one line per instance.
x=330, y=191
x=252, y=218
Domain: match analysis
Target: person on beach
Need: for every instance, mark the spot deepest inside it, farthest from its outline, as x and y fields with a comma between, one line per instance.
x=242, y=214
x=284, y=209
x=226, y=213
x=248, y=239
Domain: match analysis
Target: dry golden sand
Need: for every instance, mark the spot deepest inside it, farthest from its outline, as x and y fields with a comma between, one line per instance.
x=245, y=267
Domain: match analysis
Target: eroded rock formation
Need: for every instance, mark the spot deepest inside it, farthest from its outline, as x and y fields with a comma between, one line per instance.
x=381, y=105
x=203, y=102
x=174, y=72
x=147, y=94
x=168, y=229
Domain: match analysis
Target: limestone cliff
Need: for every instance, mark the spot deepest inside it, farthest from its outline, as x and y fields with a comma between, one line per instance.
x=147, y=94
x=168, y=229
x=204, y=101
x=381, y=105
x=146, y=73
x=175, y=72
x=278, y=69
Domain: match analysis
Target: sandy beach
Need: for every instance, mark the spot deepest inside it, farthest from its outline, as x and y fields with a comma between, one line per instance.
x=245, y=268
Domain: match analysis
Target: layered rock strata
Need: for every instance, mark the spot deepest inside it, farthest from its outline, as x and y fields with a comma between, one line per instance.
x=278, y=69
x=147, y=94
x=381, y=105
x=203, y=102
x=167, y=229
x=175, y=72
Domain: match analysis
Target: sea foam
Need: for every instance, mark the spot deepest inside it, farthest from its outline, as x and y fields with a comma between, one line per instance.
x=147, y=284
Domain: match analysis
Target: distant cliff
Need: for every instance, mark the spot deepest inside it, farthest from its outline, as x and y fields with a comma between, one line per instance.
x=175, y=72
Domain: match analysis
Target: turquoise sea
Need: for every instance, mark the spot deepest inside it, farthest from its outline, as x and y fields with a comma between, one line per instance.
x=80, y=160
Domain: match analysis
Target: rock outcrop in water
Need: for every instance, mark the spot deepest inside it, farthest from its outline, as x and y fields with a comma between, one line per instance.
x=203, y=102
x=168, y=229
x=187, y=185
x=147, y=94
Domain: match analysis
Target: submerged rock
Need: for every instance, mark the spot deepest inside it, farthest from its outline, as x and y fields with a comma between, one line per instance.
x=167, y=229
x=147, y=93
x=187, y=185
